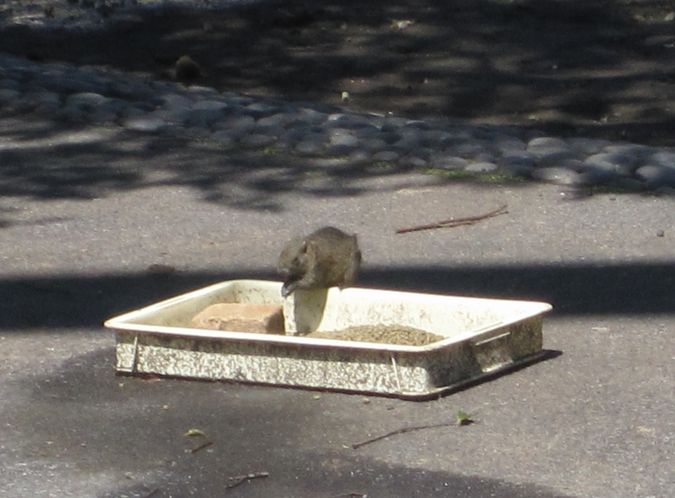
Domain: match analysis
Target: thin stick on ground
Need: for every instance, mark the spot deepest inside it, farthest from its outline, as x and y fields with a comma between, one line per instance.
x=235, y=481
x=455, y=222
x=201, y=447
x=402, y=431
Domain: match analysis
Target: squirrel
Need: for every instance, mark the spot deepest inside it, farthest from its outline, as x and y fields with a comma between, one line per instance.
x=325, y=258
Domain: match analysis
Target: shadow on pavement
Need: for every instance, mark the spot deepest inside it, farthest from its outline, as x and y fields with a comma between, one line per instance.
x=65, y=301
x=135, y=427
x=45, y=160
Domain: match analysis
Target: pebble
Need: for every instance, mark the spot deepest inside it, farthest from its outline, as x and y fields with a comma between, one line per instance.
x=147, y=124
x=587, y=146
x=482, y=167
x=223, y=138
x=516, y=171
x=449, y=161
x=325, y=133
x=8, y=95
x=309, y=147
x=517, y=161
x=613, y=163
x=558, y=175
x=342, y=137
x=663, y=158
x=386, y=156
x=656, y=175
x=258, y=140
x=414, y=161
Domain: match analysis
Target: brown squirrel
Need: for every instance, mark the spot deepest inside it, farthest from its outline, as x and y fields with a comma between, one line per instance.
x=325, y=258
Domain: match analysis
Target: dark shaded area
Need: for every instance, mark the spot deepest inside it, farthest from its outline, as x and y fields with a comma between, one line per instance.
x=357, y=478
x=567, y=66
x=248, y=435
x=77, y=301
x=50, y=161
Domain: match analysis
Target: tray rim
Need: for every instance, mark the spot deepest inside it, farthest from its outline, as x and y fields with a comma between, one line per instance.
x=124, y=323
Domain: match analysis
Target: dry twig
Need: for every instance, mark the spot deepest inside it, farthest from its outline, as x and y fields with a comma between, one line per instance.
x=455, y=222
x=201, y=446
x=237, y=480
x=402, y=431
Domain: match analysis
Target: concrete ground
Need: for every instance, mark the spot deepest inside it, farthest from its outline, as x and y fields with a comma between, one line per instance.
x=96, y=222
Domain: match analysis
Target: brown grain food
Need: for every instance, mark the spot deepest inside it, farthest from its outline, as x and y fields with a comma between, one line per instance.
x=386, y=334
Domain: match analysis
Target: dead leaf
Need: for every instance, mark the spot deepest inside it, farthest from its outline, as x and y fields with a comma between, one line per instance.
x=194, y=433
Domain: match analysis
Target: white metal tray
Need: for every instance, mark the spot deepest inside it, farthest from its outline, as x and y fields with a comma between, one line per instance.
x=481, y=338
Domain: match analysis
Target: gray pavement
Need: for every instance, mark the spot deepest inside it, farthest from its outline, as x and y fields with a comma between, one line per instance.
x=98, y=216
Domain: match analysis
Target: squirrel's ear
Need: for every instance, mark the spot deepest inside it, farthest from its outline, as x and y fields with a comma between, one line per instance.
x=303, y=247
x=310, y=247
